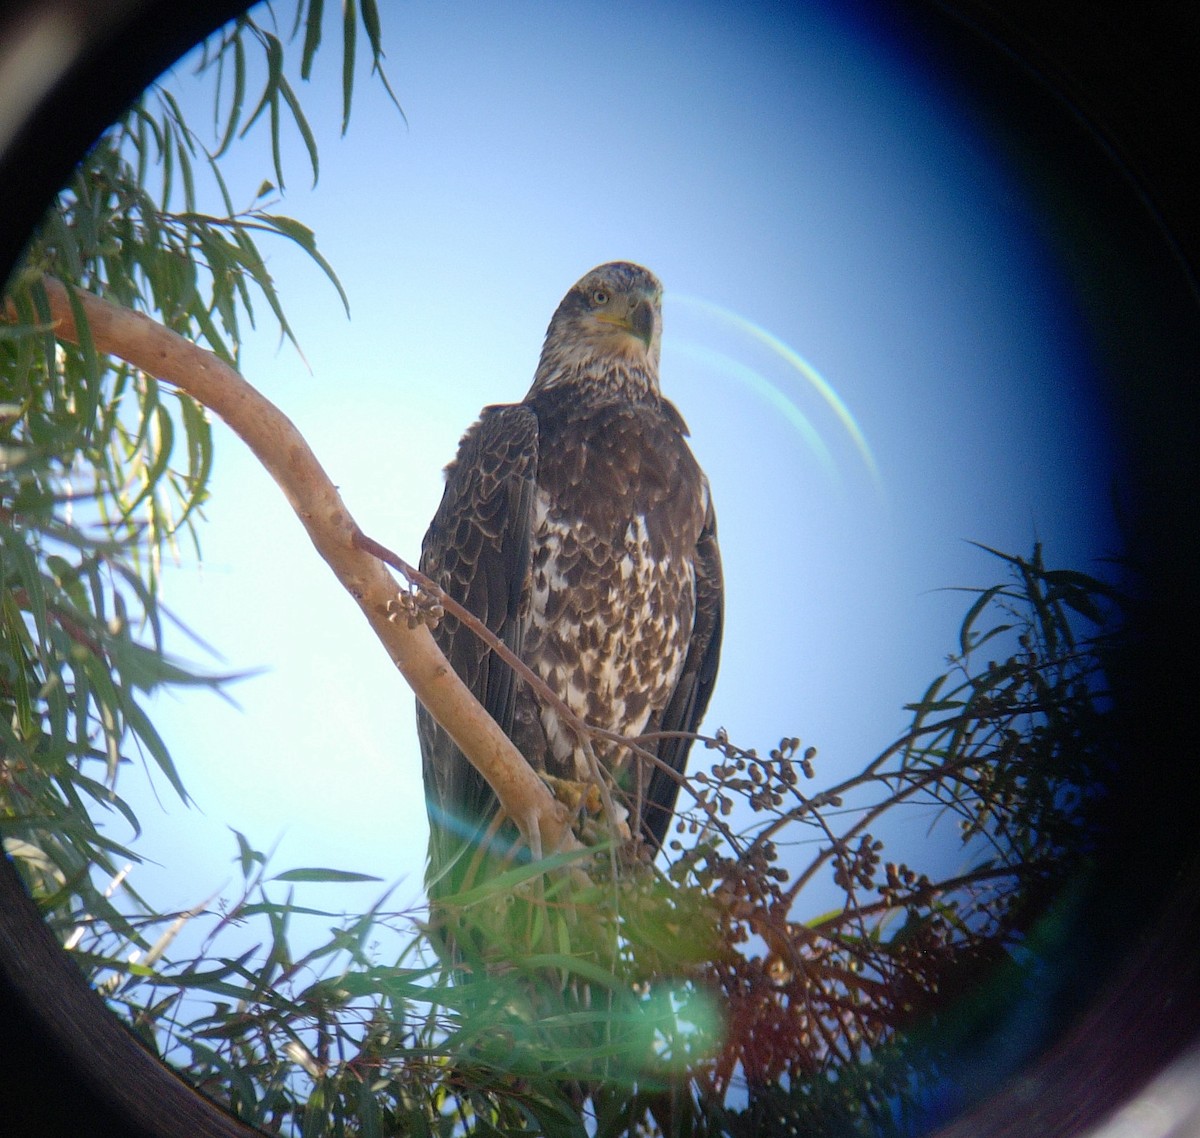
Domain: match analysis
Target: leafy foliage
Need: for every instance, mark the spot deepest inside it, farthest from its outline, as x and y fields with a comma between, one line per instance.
x=102, y=470
x=1017, y=752
x=703, y=998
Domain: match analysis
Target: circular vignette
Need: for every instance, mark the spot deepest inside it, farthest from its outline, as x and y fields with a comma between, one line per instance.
x=1112, y=99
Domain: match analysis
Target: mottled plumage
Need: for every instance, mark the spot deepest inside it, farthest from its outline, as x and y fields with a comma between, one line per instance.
x=578, y=526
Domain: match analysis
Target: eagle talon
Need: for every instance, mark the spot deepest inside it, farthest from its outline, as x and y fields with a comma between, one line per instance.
x=584, y=800
x=578, y=797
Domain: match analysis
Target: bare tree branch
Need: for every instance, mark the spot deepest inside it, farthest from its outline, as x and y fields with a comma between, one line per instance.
x=280, y=447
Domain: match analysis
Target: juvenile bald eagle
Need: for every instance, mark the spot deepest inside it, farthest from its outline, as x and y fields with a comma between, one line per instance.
x=578, y=526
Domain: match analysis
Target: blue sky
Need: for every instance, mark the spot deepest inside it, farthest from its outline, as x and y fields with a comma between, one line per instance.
x=805, y=195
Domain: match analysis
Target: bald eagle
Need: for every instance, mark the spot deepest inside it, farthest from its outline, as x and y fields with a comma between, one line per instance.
x=578, y=526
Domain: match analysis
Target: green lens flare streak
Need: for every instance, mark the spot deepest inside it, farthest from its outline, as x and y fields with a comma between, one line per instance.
x=760, y=385
x=798, y=363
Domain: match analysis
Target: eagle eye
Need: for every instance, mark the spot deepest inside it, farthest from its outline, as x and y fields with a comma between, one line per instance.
x=600, y=297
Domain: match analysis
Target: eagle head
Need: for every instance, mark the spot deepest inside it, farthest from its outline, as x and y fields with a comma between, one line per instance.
x=606, y=331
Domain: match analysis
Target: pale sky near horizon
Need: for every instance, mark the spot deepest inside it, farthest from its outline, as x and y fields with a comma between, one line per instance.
x=815, y=208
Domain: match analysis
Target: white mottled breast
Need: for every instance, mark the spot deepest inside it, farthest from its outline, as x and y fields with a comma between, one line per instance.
x=608, y=627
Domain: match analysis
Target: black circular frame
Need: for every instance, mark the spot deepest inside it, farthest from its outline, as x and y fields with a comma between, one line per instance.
x=1111, y=94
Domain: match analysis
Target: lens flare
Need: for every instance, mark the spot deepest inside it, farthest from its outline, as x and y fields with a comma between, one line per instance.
x=777, y=396
x=761, y=385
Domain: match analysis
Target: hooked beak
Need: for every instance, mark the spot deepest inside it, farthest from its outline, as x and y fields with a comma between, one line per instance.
x=638, y=321
x=641, y=321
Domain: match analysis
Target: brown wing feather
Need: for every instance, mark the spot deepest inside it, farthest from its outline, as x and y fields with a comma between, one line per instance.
x=690, y=699
x=477, y=549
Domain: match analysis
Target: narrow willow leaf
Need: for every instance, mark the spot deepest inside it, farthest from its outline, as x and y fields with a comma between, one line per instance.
x=238, y=98
x=930, y=701
x=369, y=1115
x=106, y=797
x=215, y=169
x=198, y=431
x=151, y=740
x=276, y=150
x=106, y=702
x=209, y=330
x=224, y=969
x=349, y=37
x=270, y=93
x=153, y=472
x=144, y=126
x=17, y=649
x=1011, y=558
x=261, y=908
x=370, y=18
x=83, y=216
x=306, y=133
x=148, y=408
x=93, y=369
x=304, y=237
x=189, y=185
x=965, y=633
x=49, y=345
x=247, y=855
x=24, y=586
x=312, y=36
x=184, y=142
x=573, y=965
x=82, y=700
x=506, y=881
x=322, y=875
x=1049, y=623
x=60, y=236
x=983, y=638
x=248, y=255
x=167, y=157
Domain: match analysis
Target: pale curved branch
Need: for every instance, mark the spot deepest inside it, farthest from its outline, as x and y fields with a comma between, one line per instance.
x=279, y=446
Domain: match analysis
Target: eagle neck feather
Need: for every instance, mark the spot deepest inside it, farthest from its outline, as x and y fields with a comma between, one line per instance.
x=595, y=377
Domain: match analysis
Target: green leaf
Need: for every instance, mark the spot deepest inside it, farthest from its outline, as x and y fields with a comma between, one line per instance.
x=151, y=740
x=306, y=133
x=349, y=38
x=276, y=150
x=167, y=156
x=16, y=638
x=304, y=237
x=209, y=330
x=966, y=640
x=189, y=185
x=504, y=882
x=338, y=875
x=152, y=473
x=271, y=86
x=198, y=431
x=312, y=36
x=237, y=100
x=370, y=1117
x=247, y=855
x=370, y=17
